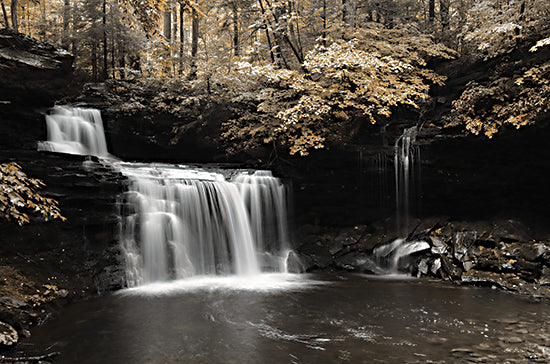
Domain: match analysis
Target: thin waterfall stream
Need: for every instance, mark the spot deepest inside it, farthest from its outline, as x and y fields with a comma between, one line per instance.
x=407, y=166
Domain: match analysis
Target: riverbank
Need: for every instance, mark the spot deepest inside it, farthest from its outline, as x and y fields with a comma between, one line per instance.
x=502, y=254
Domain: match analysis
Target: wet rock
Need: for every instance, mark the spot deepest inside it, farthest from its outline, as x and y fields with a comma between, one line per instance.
x=314, y=256
x=362, y=263
x=8, y=336
x=531, y=251
x=436, y=265
x=423, y=267
x=11, y=302
x=438, y=247
x=511, y=340
x=31, y=71
x=511, y=231
x=451, y=271
x=468, y=265
x=545, y=276
x=293, y=263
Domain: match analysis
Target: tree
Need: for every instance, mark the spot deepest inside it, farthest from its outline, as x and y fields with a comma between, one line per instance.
x=486, y=108
x=18, y=194
x=359, y=79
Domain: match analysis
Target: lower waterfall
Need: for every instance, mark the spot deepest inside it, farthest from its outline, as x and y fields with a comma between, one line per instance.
x=179, y=222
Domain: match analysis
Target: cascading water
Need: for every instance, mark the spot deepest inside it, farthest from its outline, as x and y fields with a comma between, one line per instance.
x=407, y=178
x=75, y=130
x=407, y=170
x=178, y=222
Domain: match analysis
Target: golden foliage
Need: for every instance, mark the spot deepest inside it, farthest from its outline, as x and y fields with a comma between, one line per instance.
x=364, y=77
x=517, y=101
x=18, y=193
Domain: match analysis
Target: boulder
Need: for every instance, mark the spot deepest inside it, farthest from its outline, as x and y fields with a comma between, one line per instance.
x=8, y=336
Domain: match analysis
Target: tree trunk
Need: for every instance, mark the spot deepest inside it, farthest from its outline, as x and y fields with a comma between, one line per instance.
x=167, y=25
x=14, y=18
x=5, y=15
x=105, y=73
x=195, y=33
x=94, y=61
x=113, y=58
x=181, y=39
x=194, y=42
x=236, y=44
x=324, y=35
x=431, y=10
x=345, y=11
x=42, y=32
x=65, y=37
x=279, y=37
x=444, y=6
x=167, y=32
x=269, y=43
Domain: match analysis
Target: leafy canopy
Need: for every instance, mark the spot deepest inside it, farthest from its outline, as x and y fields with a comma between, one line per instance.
x=517, y=101
x=363, y=77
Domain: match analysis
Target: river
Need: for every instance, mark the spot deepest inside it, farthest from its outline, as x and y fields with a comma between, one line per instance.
x=299, y=319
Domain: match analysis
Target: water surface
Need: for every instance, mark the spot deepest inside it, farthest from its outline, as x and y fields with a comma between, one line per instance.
x=300, y=319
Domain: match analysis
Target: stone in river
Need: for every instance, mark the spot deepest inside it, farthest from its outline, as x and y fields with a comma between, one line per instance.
x=511, y=339
x=8, y=336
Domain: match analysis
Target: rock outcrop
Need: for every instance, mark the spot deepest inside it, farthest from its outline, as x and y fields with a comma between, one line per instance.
x=501, y=253
x=32, y=72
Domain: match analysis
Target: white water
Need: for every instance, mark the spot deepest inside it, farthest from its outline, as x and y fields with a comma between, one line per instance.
x=391, y=254
x=407, y=170
x=179, y=222
x=407, y=175
x=266, y=282
x=73, y=130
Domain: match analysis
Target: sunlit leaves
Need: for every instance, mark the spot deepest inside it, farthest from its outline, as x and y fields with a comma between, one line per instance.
x=492, y=27
x=486, y=109
x=361, y=78
x=541, y=43
x=18, y=196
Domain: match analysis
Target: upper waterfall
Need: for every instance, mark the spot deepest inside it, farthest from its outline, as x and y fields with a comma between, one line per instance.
x=74, y=130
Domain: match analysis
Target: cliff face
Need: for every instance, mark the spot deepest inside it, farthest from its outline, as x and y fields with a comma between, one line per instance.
x=32, y=72
x=50, y=263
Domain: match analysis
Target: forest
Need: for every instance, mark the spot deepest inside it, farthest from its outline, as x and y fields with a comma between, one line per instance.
x=310, y=73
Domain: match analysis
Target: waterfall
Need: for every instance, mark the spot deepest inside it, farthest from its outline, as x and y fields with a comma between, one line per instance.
x=73, y=130
x=390, y=255
x=407, y=172
x=394, y=255
x=178, y=222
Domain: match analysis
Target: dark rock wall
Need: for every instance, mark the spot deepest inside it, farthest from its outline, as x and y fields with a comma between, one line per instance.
x=82, y=253
x=32, y=73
